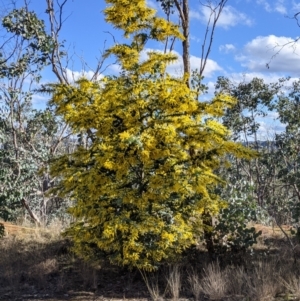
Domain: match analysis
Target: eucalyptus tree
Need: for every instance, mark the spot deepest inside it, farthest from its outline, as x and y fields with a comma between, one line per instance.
x=29, y=138
x=287, y=155
x=253, y=186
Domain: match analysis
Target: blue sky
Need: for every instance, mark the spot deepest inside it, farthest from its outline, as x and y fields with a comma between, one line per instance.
x=245, y=39
x=248, y=34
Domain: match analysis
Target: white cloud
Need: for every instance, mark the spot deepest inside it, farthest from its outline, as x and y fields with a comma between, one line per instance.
x=273, y=114
x=210, y=68
x=281, y=53
x=177, y=67
x=275, y=6
x=195, y=15
x=265, y=4
x=296, y=6
x=75, y=75
x=227, y=48
x=115, y=68
x=229, y=17
x=280, y=9
x=38, y=99
x=268, y=129
x=268, y=77
x=194, y=38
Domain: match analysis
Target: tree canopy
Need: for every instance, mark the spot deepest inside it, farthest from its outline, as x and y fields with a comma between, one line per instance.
x=144, y=178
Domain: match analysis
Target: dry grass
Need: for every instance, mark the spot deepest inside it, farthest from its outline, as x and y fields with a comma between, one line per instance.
x=29, y=257
x=17, y=230
x=31, y=232
x=214, y=283
x=262, y=283
x=195, y=285
x=39, y=272
x=270, y=233
x=35, y=260
x=152, y=286
x=174, y=282
x=236, y=281
x=292, y=285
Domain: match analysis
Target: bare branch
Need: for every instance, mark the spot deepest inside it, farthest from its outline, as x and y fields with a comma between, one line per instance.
x=185, y=23
x=181, y=14
x=31, y=213
x=55, y=27
x=215, y=13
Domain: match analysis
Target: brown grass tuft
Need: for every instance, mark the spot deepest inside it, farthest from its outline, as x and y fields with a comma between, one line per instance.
x=174, y=282
x=195, y=285
x=262, y=283
x=292, y=284
x=214, y=282
x=237, y=279
x=152, y=286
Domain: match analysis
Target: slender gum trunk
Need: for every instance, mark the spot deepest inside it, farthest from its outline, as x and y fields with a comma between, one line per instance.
x=186, y=42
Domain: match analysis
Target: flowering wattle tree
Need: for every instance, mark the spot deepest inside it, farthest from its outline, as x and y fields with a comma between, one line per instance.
x=143, y=178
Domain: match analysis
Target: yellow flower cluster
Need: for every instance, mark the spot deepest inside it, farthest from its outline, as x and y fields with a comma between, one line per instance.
x=144, y=177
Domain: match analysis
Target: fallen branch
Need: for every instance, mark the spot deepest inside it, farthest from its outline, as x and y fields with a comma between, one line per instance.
x=32, y=215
